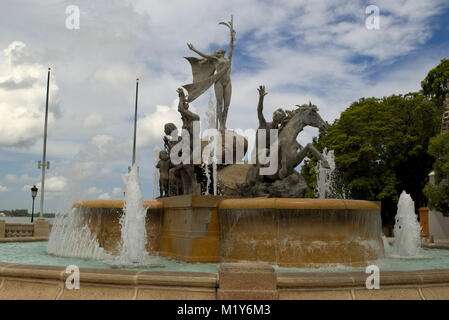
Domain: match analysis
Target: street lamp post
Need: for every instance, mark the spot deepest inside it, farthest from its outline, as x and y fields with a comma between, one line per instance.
x=33, y=194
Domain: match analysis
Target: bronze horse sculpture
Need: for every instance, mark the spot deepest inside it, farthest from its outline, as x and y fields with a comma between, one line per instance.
x=289, y=154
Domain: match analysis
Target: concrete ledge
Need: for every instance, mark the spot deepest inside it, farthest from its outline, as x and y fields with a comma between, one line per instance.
x=23, y=239
x=314, y=280
x=108, y=276
x=296, y=203
x=435, y=245
x=33, y=272
x=176, y=293
x=193, y=279
x=249, y=281
x=113, y=204
x=96, y=292
x=315, y=295
x=25, y=289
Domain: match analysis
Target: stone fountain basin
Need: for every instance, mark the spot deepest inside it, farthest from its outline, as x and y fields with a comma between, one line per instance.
x=300, y=233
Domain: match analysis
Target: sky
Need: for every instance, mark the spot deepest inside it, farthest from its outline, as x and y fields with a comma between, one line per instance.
x=301, y=50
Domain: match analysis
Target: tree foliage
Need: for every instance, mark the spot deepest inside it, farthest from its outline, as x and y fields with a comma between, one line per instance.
x=381, y=148
x=435, y=84
x=438, y=192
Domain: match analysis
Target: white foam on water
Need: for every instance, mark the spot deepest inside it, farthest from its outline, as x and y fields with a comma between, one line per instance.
x=407, y=230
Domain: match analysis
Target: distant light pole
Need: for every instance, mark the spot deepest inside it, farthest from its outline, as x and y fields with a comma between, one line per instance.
x=44, y=164
x=33, y=194
x=135, y=124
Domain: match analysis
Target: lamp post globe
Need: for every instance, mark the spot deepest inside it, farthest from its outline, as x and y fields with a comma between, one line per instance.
x=34, y=190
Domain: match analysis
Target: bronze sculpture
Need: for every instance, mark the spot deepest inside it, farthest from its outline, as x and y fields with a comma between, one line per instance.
x=213, y=69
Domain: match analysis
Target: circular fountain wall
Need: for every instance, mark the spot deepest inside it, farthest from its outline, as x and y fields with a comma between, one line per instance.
x=285, y=232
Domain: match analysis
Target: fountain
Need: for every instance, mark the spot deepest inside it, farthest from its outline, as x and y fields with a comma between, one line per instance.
x=134, y=235
x=263, y=218
x=260, y=217
x=407, y=230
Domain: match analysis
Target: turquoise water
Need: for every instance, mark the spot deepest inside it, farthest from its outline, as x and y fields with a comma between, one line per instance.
x=35, y=253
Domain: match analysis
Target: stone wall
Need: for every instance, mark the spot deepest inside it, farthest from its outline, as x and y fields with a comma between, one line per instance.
x=234, y=281
x=38, y=229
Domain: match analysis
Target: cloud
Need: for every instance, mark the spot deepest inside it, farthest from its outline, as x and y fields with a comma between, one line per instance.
x=3, y=188
x=56, y=187
x=93, y=190
x=11, y=84
x=11, y=179
x=151, y=127
x=22, y=92
x=301, y=50
x=104, y=196
x=117, y=192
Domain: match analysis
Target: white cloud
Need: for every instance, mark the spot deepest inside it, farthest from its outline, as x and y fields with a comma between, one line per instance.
x=117, y=192
x=104, y=196
x=3, y=188
x=11, y=179
x=93, y=190
x=22, y=93
x=53, y=184
x=150, y=128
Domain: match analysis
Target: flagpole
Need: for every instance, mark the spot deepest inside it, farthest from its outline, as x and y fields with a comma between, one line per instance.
x=135, y=121
x=44, y=164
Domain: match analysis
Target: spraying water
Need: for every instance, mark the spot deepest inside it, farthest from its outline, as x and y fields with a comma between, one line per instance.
x=324, y=186
x=134, y=233
x=71, y=237
x=215, y=173
x=407, y=229
x=207, y=173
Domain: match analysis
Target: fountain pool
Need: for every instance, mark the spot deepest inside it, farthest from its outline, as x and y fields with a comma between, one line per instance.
x=34, y=253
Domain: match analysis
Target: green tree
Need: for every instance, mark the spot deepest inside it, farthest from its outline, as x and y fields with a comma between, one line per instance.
x=435, y=84
x=381, y=148
x=438, y=192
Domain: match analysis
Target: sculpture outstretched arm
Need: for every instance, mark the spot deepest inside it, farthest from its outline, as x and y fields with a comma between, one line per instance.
x=206, y=56
x=230, y=25
x=262, y=94
x=183, y=107
x=182, y=101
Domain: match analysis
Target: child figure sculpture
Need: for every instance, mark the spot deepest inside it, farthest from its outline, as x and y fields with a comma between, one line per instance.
x=164, y=166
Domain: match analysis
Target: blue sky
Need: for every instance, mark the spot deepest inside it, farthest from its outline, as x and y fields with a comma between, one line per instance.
x=300, y=50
